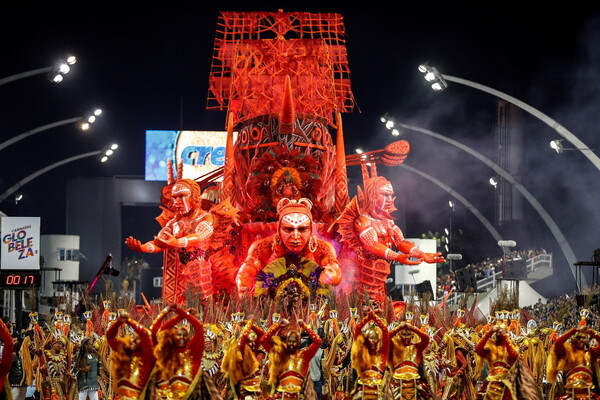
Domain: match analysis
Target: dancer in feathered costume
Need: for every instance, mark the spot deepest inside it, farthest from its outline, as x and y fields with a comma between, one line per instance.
x=179, y=373
x=406, y=356
x=458, y=383
x=288, y=364
x=241, y=365
x=508, y=377
x=571, y=356
x=370, y=352
x=131, y=359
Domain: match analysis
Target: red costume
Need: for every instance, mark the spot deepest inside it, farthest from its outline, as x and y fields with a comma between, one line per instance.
x=289, y=364
x=132, y=360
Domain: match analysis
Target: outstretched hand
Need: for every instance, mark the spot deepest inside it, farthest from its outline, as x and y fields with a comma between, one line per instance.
x=166, y=241
x=406, y=259
x=134, y=244
x=433, y=258
x=330, y=275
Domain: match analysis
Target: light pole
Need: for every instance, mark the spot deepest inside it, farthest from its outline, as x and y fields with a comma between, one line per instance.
x=56, y=72
x=439, y=82
x=83, y=123
x=484, y=221
x=506, y=245
x=102, y=157
x=556, y=232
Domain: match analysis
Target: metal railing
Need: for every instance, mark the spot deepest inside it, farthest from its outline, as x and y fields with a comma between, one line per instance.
x=486, y=284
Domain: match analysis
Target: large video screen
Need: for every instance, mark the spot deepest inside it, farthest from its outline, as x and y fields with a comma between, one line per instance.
x=200, y=151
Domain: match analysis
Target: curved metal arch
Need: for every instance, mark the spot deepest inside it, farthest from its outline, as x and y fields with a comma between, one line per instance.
x=556, y=232
x=488, y=225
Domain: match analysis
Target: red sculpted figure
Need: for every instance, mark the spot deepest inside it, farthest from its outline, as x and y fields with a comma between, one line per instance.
x=188, y=231
x=368, y=230
x=294, y=237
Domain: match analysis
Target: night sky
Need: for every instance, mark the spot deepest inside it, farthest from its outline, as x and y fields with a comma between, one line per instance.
x=147, y=66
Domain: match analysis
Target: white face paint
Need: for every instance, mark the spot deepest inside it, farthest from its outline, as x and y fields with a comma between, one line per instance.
x=385, y=198
x=295, y=231
x=182, y=198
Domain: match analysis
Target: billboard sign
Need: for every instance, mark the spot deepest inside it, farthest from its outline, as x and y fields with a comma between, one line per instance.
x=417, y=274
x=200, y=151
x=20, y=243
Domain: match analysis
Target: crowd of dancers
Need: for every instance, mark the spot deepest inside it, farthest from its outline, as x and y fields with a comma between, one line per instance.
x=391, y=351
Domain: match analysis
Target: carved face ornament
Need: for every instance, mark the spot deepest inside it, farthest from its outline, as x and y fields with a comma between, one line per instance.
x=295, y=231
x=182, y=198
x=385, y=198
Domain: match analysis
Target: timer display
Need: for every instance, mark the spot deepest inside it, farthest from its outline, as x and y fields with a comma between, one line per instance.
x=13, y=279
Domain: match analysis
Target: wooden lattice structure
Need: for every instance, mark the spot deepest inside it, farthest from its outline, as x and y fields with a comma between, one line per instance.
x=255, y=51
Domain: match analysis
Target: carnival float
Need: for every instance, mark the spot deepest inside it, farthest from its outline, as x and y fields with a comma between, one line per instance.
x=283, y=80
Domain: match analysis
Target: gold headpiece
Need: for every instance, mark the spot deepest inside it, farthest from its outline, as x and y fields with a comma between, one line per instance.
x=371, y=328
x=237, y=316
x=33, y=316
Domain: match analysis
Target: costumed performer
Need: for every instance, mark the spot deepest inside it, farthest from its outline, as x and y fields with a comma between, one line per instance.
x=369, y=355
x=506, y=379
x=241, y=364
x=406, y=357
x=288, y=363
x=131, y=359
x=179, y=373
x=571, y=356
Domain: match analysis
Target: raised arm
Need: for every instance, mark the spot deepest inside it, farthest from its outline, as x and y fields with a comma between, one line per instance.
x=196, y=343
x=559, y=343
x=142, y=332
x=265, y=341
x=158, y=322
x=385, y=336
x=111, y=333
x=480, y=346
x=422, y=345
x=316, y=341
x=511, y=350
x=248, y=328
